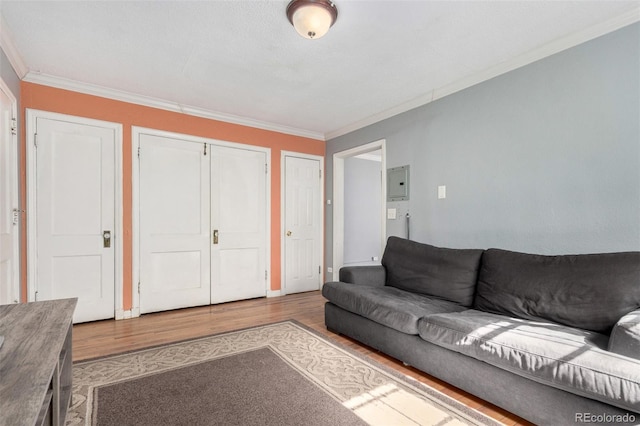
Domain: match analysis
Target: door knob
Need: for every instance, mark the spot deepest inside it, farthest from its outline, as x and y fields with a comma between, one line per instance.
x=106, y=239
x=288, y=233
x=215, y=236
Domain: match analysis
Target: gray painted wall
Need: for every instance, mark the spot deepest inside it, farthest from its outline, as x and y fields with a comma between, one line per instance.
x=362, y=214
x=543, y=159
x=11, y=79
x=9, y=76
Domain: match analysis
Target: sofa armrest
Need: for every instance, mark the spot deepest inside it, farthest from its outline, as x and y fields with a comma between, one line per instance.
x=374, y=275
x=625, y=336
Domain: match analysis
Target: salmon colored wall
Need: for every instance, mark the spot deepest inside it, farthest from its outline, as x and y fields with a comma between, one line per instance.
x=45, y=98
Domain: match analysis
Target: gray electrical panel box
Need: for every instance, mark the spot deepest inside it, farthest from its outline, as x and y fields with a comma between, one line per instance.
x=398, y=183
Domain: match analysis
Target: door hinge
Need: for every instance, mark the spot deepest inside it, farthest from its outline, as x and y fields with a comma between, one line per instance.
x=320, y=173
x=16, y=216
x=205, y=149
x=14, y=126
x=266, y=168
x=138, y=152
x=319, y=269
x=35, y=140
x=138, y=287
x=266, y=275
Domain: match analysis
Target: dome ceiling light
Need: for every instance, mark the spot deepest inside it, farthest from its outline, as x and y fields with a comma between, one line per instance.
x=312, y=18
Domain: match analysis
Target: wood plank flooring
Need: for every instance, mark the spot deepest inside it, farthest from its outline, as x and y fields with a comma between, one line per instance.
x=100, y=338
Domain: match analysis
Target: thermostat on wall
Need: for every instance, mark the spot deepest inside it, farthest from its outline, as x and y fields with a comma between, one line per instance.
x=398, y=183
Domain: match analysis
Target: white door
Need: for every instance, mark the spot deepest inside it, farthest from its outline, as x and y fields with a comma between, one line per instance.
x=9, y=213
x=75, y=216
x=302, y=224
x=238, y=221
x=202, y=222
x=174, y=224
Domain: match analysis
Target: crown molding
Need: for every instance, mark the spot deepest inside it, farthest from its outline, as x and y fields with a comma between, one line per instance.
x=9, y=47
x=133, y=98
x=548, y=49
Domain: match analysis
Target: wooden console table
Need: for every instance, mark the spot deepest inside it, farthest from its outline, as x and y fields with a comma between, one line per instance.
x=35, y=362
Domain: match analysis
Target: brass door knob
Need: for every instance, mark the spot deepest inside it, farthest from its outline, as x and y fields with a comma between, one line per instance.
x=106, y=239
x=288, y=233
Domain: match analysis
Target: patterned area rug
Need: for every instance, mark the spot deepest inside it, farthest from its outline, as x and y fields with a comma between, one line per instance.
x=275, y=374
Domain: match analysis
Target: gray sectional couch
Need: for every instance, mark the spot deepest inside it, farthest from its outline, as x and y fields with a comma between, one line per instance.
x=553, y=339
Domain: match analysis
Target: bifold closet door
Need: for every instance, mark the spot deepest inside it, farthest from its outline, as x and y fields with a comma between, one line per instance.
x=203, y=219
x=238, y=221
x=174, y=224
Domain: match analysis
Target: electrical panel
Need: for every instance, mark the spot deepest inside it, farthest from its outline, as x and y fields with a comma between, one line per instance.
x=398, y=183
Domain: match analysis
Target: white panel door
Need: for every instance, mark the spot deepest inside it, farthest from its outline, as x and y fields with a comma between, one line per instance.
x=303, y=227
x=9, y=213
x=75, y=208
x=174, y=224
x=238, y=221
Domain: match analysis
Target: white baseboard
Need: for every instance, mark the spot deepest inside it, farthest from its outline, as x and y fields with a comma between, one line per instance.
x=132, y=313
x=274, y=293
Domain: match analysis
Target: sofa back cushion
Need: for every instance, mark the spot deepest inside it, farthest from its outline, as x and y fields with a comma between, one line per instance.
x=588, y=291
x=449, y=274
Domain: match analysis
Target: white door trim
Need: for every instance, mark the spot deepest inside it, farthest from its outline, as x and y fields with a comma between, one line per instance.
x=283, y=155
x=136, y=131
x=338, y=199
x=15, y=202
x=31, y=116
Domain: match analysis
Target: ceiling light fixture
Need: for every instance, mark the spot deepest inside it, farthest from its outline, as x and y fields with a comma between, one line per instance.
x=312, y=18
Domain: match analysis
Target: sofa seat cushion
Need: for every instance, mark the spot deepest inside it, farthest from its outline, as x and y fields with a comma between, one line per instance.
x=389, y=306
x=445, y=273
x=587, y=291
x=625, y=337
x=563, y=357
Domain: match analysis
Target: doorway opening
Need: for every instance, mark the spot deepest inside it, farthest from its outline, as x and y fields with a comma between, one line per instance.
x=359, y=192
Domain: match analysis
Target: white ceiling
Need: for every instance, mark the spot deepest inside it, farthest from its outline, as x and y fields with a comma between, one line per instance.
x=242, y=59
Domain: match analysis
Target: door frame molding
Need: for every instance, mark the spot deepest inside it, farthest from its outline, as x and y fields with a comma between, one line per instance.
x=136, y=132
x=31, y=117
x=15, y=193
x=283, y=155
x=338, y=199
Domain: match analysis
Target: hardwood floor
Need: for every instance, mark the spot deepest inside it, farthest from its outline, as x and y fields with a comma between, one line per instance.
x=100, y=338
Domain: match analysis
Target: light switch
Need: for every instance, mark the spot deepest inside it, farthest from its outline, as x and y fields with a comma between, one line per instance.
x=391, y=213
x=442, y=191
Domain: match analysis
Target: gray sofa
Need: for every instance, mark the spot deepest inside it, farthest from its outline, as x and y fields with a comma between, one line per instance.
x=553, y=339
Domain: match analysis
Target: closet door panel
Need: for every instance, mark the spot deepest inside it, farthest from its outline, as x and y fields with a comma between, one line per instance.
x=238, y=214
x=174, y=224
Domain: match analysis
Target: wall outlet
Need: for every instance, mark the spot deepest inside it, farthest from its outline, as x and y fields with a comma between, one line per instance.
x=329, y=269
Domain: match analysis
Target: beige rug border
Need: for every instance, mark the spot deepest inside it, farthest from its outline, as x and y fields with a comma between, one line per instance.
x=303, y=354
